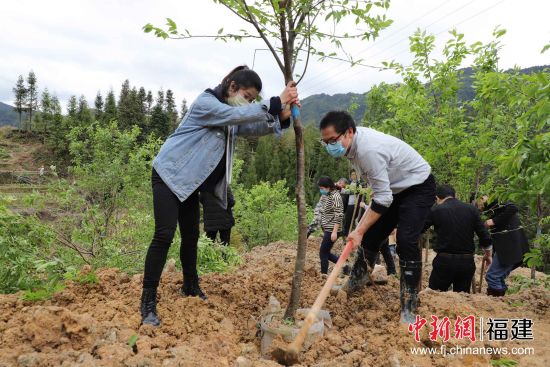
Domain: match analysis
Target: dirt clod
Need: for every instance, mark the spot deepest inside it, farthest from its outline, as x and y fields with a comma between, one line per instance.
x=92, y=324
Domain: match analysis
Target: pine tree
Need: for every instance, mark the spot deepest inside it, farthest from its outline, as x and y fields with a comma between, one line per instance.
x=98, y=104
x=160, y=124
x=32, y=96
x=110, y=111
x=170, y=110
x=83, y=113
x=20, y=92
x=148, y=102
x=72, y=107
x=184, y=108
x=47, y=110
x=124, y=107
x=142, y=97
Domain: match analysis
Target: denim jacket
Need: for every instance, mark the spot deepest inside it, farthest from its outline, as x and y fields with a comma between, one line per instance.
x=209, y=128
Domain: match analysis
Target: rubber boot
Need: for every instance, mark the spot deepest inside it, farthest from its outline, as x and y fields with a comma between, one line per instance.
x=496, y=292
x=409, y=288
x=191, y=287
x=148, y=307
x=388, y=259
x=360, y=273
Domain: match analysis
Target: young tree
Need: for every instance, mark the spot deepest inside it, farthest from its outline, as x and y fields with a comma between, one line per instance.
x=98, y=104
x=290, y=28
x=20, y=92
x=32, y=96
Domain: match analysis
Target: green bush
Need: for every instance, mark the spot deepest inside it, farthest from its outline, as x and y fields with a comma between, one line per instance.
x=264, y=214
x=215, y=258
x=25, y=261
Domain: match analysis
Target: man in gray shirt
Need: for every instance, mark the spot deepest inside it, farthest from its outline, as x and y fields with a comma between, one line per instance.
x=403, y=193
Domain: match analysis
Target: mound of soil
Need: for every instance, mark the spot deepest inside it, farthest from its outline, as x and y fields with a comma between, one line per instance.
x=93, y=324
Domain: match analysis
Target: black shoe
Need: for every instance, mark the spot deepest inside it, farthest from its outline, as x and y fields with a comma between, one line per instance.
x=496, y=292
x=359, y=276
x=191, y=287
x=409, y=288
x=148, y=307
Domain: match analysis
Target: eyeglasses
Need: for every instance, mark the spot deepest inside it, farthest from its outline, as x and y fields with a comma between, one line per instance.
x=331, y=141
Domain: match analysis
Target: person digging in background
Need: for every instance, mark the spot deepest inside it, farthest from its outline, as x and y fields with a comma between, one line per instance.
x=455, y=223
x=218, y=219
x=509, y=242
x=198, y=157
x=404, y=191
x=332, y=214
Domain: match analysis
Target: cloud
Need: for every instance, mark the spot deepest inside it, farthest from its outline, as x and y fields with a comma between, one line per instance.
x=86, y=46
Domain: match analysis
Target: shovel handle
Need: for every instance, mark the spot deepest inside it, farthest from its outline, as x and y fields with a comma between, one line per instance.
x=325, y=291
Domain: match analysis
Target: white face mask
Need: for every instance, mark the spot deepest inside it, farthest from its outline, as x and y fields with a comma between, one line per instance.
x=237, y=100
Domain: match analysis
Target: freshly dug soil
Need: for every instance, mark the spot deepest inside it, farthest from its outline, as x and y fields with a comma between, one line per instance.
x=92, y=324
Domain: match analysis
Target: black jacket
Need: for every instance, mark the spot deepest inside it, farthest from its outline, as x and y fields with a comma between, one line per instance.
x=455, y=223
x=217, y=218
x=509, y=240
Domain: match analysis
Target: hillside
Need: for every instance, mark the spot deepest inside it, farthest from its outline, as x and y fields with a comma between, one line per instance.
x=315, y=106
x=8, y=116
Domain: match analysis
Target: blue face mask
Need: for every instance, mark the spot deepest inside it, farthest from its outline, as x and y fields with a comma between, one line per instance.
x=336, y=150
x=323, y=192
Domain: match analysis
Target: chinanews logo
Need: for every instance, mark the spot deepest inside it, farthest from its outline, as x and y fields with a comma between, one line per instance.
x=442, y=329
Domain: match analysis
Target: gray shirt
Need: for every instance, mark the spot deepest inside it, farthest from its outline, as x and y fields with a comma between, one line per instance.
x=389, y=164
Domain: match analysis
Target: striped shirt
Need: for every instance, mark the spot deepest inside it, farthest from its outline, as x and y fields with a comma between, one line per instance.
x=333, y=211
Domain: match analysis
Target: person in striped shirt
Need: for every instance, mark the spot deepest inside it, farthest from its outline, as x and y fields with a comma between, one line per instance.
x=332, y=214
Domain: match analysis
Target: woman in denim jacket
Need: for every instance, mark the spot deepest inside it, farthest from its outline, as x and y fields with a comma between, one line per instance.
x=198, y=157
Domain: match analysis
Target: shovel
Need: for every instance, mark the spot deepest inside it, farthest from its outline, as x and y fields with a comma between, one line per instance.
x=290, y=355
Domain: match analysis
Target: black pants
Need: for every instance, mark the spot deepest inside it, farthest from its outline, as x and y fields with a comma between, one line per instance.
x=408, y=212
x=324, y=252
x=455, y=270
x=225, y=235
x=169, y=212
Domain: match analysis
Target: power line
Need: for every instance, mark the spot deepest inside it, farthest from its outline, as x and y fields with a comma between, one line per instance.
x=386, y=38
x=461, y=22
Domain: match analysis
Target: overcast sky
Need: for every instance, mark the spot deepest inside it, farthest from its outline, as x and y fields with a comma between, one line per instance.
x=82, y=47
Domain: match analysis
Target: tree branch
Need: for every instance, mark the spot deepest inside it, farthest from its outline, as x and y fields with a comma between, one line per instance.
x=263, y=36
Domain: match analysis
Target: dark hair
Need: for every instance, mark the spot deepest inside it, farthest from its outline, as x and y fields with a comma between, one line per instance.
x=340, y=120
x=243, y=78
x=326, y=181
x=443, y=191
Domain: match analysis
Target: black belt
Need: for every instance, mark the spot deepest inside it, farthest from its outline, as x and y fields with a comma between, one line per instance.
x=456, y=256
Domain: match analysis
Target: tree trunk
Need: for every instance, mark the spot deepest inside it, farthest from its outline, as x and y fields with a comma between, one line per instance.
x=302, y=223
x=295, y=293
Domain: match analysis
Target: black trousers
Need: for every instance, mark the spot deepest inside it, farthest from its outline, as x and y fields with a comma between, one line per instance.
x=324, y=252
x=408, y=212
x=225, y=235
x=455, y=270
x=169, y=212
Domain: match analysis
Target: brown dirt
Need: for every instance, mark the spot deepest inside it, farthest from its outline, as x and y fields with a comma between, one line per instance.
x=90, y=325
